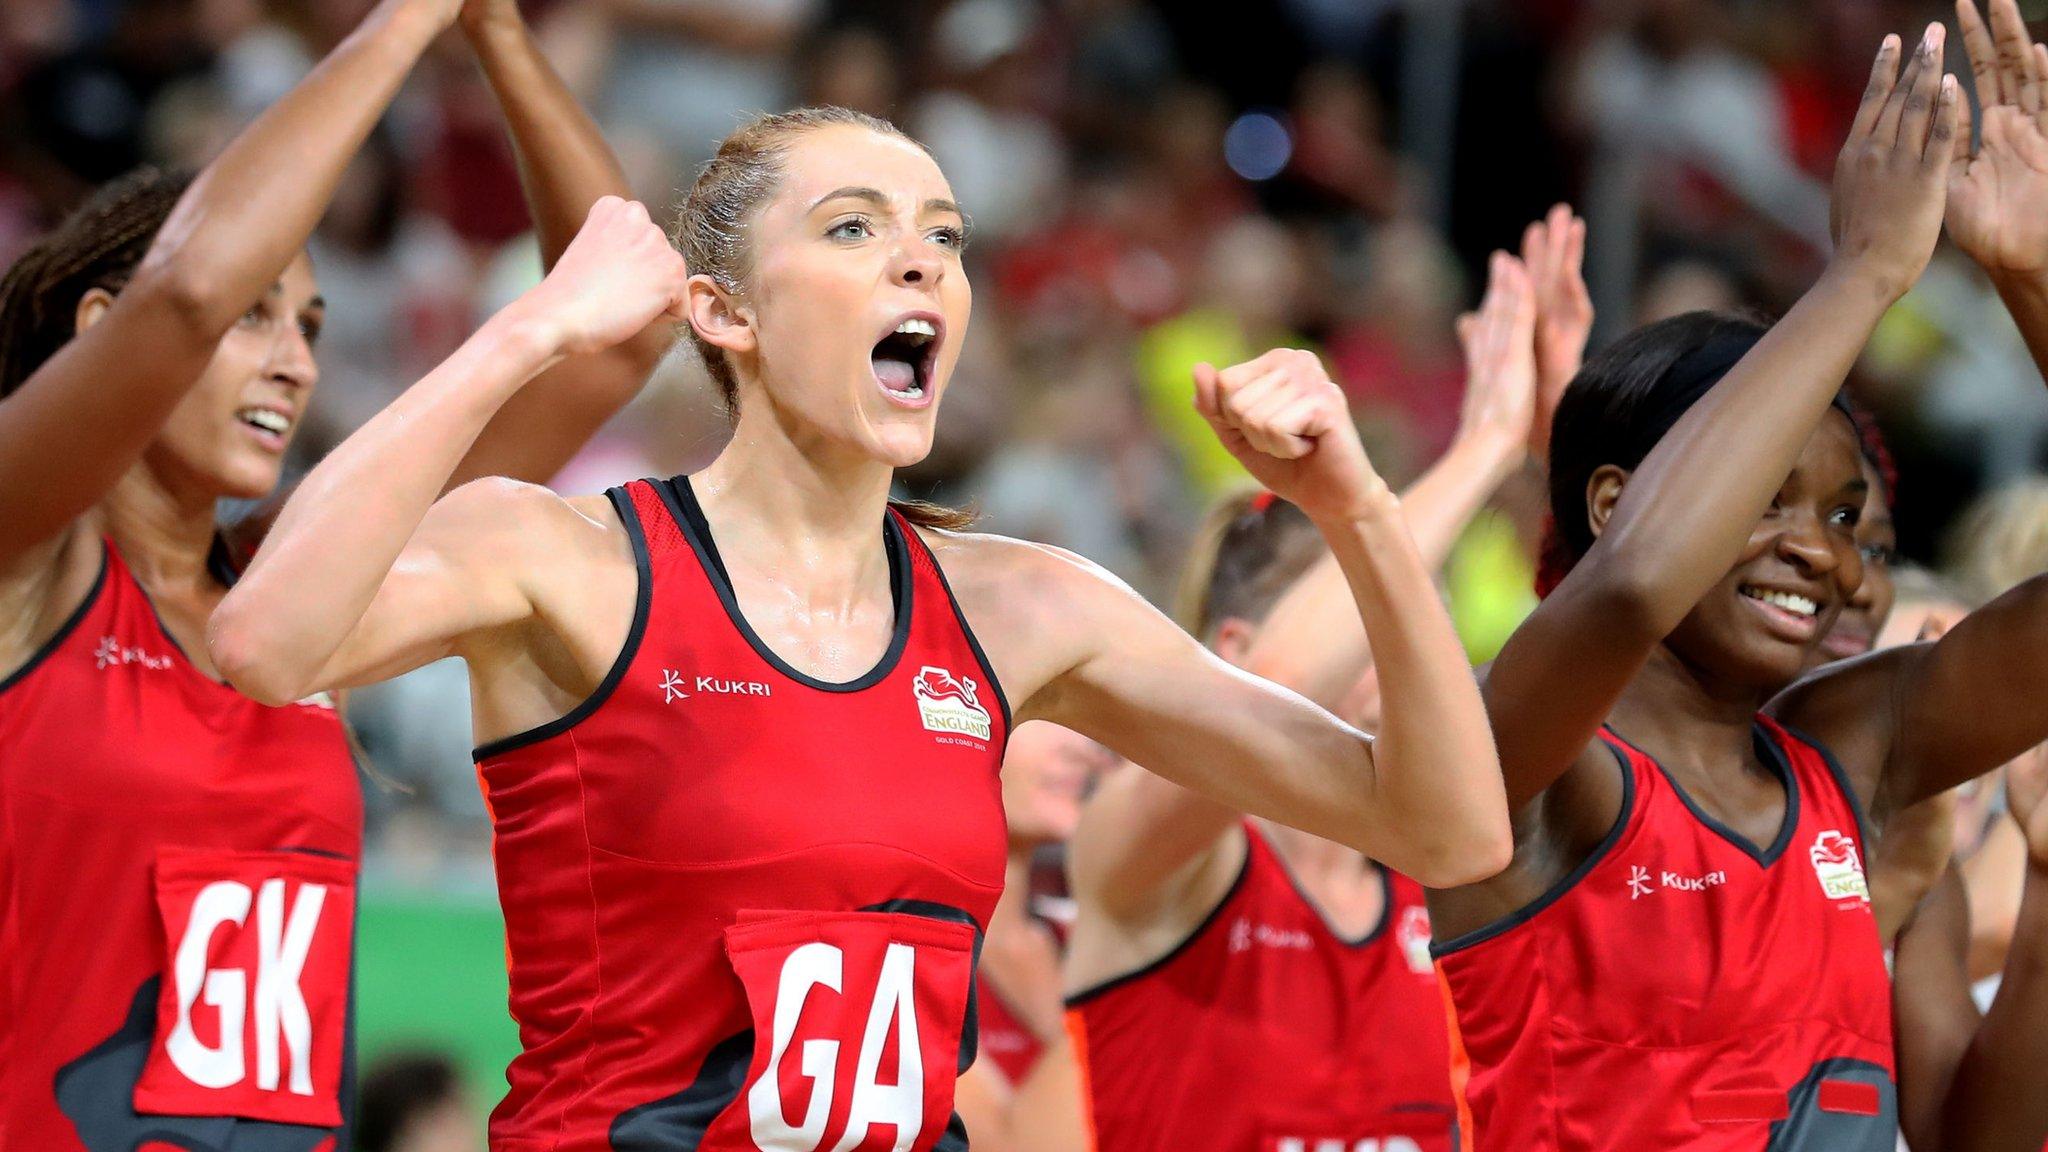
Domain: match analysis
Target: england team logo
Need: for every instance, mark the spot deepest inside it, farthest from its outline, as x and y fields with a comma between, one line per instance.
x=949, y=703
x=1413, y=935
x=1836, y=864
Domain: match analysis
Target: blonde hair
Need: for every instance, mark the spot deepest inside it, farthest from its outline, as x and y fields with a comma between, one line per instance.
x=1250, y=548
x=2001, y=540
x=711, y=231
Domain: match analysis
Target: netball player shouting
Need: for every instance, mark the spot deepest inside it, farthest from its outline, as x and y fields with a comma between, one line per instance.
x=1290, y=975
x=177, y=862
x=1686, y=913
x=741, y=736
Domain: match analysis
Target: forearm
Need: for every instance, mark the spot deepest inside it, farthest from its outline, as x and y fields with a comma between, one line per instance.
x=1312, y=640
x=565, y=165
x=343, y=529
x=1687, y=512
x=1996, y=1101
x=2026, y=298
x=1435, y=771
x=251, y=210
x=713, y=25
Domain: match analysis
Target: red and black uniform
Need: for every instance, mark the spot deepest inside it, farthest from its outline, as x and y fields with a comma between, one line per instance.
x=1685, y=988
x=742, y=905
x=1267, y=1032
x=1006, y=1040
x=177, y=900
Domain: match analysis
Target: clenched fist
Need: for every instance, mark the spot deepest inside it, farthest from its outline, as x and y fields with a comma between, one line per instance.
x=617, y=277
x=1287, y=422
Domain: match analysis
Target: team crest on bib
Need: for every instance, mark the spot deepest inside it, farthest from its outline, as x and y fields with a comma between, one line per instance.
x=1412, y=933
x=949, y=703
x=1836, y=864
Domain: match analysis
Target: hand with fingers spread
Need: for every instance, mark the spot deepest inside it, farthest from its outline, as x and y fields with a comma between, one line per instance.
x=1287, y=422
x=1998, y=193
x=1554, y=252
x=1891, y=177
x=1501, y=372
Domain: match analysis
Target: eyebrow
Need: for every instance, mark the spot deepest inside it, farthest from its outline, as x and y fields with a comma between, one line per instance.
x=881, y=199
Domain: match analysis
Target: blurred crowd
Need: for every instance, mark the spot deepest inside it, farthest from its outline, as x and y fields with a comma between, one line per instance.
x=1152, y=184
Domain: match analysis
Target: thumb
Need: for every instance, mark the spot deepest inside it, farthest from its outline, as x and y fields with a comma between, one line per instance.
x=1205, y=390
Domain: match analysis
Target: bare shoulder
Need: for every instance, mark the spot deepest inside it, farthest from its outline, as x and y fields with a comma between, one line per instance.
x=41, y=588
x=1848, y=709
x=1036, y=608
x=508, y=520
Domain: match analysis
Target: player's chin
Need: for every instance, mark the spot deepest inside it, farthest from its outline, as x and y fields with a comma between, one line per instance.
x=246, y=475
x=901, y=439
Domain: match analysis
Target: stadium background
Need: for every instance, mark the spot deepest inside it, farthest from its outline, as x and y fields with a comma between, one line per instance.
x=1153, y=183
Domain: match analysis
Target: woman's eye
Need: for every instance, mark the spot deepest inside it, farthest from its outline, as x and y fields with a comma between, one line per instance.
x=954, y=238
x=1846, y=517
x=851, y=230
x=1880, y=554
x=254, y=315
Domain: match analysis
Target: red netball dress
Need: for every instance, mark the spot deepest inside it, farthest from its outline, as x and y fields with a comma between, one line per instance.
x=1684, y=988
x=1267, y=1032
x=1006, y=1041
x=742, y=905
x=177, y=900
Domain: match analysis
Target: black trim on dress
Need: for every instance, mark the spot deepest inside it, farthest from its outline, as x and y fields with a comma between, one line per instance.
x=643, y=601
x=1386, y=894
x=689, y=515
x=960, y=616
x=1090, y=993
x=1827, y=756
x=1773, y=757
x=1557, y=891
x=65, y=629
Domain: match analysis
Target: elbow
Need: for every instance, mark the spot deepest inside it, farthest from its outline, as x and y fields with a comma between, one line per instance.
x=1633, y=598
x=251, y=662
x=189, y=290
x=1469, y=859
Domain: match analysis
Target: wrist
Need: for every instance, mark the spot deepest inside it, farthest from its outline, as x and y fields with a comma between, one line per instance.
x=1373, y=506
x=1495, y=448
x=416, y=22
x=2027, y=287
x=1864, y=280
x=526, y=331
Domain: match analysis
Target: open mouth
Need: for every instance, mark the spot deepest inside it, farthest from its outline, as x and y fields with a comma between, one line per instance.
x=1796, y=615
x=273, y=427
x=903, y=361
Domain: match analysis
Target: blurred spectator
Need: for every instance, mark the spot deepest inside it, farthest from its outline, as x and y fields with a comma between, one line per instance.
x=1248, y=302
x=415, y=1102
x=689, y=71
x=1000, y=152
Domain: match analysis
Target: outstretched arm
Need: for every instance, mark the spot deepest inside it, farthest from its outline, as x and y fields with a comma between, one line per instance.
x=565, y=166
x=81, y=419
x=1424, y=797
x=1683, y=516
x=358, y=580
x=1970, y=701
x=1141, y=831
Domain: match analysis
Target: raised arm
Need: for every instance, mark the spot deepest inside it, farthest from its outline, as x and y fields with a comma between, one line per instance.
x=565, y=166
x=84, y=417
x=358, y=579
x=1142, y=831
x=1970, y=701
x=1424, y=797
x=1681, y=519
